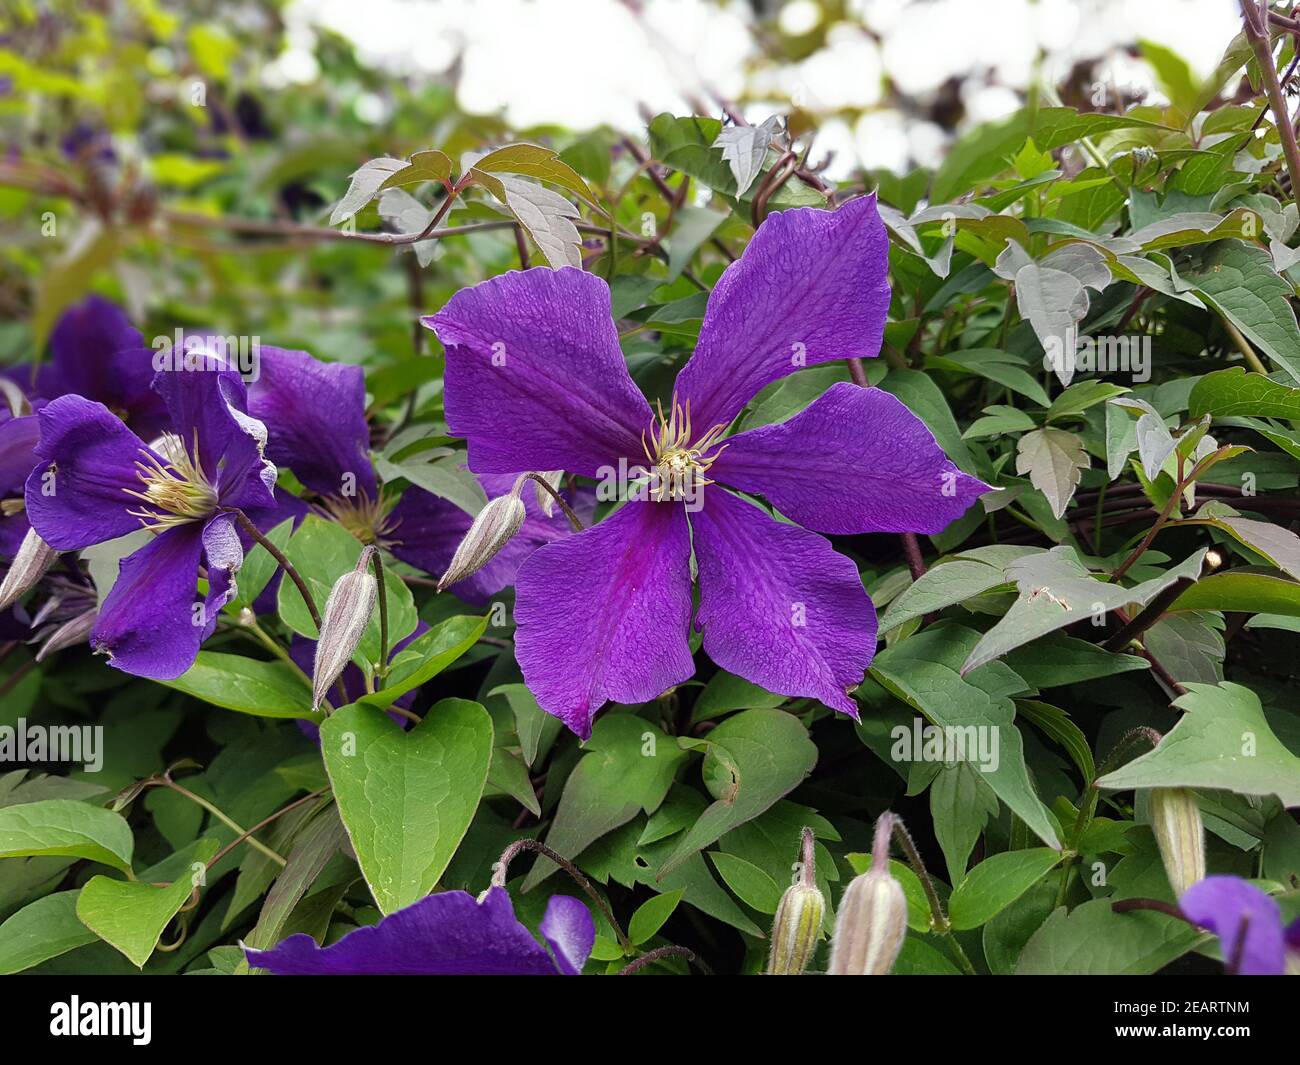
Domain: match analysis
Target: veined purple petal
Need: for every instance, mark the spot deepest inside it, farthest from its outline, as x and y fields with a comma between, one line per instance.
x=570, y=931
x=604, y=614
x=212, y=406
x=148, y=625
x=91, y=457
x=778, y=605
x=812, y=286
x=223, y=554
x=95, y=352
x=855, y=460
x=1223, y=904
x=447, y=934
x=535, y=378
x=18, y=439
x=315, y=416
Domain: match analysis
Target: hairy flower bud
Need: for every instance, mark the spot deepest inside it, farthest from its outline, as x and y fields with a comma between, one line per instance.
x=872, y=918
x=545, y=499
x=798, y=922
x=347, y=613
x=492, y=530
x=34, y=557
x=1180, y=835
x=70, y=633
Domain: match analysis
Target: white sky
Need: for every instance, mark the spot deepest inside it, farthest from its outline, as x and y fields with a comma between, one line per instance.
x=583, y=63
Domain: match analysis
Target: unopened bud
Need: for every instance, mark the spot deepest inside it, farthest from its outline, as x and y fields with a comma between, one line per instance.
x=69, y=634
x=872, y=919
x=34, y=557
x=545, y=499
x=798, y=923
x=492, y=530
x=1180, y=835
x=347, y=613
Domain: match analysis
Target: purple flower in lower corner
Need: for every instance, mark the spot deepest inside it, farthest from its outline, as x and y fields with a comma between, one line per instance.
x=1248, y=923
x=96, y=481
x=447, y=934
x=536, y=380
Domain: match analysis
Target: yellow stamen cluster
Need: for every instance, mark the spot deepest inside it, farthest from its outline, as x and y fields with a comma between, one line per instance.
x=177, y=488
x=366, y=519
x=679, y=461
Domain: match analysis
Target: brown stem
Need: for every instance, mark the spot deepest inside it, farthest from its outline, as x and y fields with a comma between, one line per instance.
x=1149, y=615
x=246, y=524
x=262, y=824
x=652, y=956
x=1261, y=44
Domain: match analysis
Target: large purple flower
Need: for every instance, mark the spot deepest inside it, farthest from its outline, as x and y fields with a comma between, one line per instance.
x=315, y=413
x=536, y=380
x=1247, y=922
x=447, y=934
x=97, y=481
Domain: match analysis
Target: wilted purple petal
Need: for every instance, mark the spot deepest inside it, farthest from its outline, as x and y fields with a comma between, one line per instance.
x=90, y=457
x=447, y=934
x=148, y=625
x=315, y=415
x=855, y=460
x=535, y=378
x=811, y=286
x=604, y=614
x=779, y=606
x=1222, y=904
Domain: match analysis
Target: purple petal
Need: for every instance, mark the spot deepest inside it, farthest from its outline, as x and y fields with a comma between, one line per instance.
x=315, y=415
x=570, y=931
x=147, y=625
x=18, y=439
x=223, y=554
x=535, y=378
x=92, y=457
x=1221, y=904
x=447, y=934
x=95, y=352
x=605, y=614
x=778, y=606
x=812, y=286
x=855, y=460
x=211, y=406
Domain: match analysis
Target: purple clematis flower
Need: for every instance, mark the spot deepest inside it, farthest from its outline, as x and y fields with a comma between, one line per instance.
x=315, y=413
x=536, y=380
x=1247, y=922
x=97, y=481
x=447, y=934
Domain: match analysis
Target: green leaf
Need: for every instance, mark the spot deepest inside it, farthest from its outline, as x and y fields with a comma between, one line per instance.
x=533, y=161
x=429, y=165
x=1093, y=940
x=248, y=685
x=1054, y=460
x=628, y=767
x=1236, y=393
x=322, y=551
x=1274, y=543
x=960, y=804
x=68, y=828
x=42, y=930
x=752, y=885
x=426, y=656
x=1222, y=741
x=131, y=915
x=923, y=671
x=651, y=915
x=1244, y=591
x=259, y=567
x=942, y=586
x=364, y=187
x=745, y=149
x=752, y=760
x=407, y=798
x=1056, y=660
x=996, y=883
x=1238, y=281
x=1082, y=395
x=547, y=217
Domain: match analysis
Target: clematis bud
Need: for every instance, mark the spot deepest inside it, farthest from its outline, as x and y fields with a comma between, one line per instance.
x=347, y=613
x=544, y=498
x=492, y=529
x=1180, y=835
x=34, y=557
x=872, y=919
x=70, y=633
x=798, y=923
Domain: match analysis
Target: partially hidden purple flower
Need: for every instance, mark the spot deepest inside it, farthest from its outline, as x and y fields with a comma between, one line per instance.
x=97, y=480
x=1248, y=923
x=535, y=380
x=447, y=934
x=315, y=413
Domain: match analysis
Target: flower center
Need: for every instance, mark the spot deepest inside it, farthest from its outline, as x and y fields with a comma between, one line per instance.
x=176, y=490
x=679, y=461
x=366, y=519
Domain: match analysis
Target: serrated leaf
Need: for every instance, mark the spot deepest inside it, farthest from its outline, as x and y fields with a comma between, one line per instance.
x=1054, y=460
x=533, y=161
x=546, y=216
x=367, y=179
x=745, y=148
